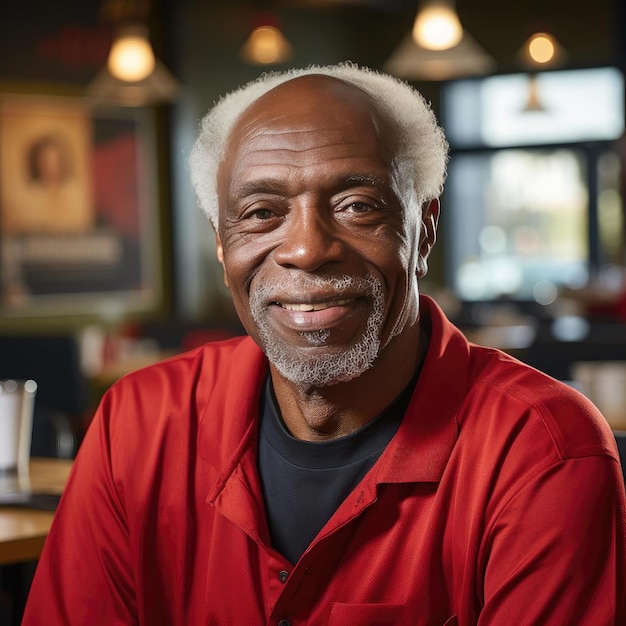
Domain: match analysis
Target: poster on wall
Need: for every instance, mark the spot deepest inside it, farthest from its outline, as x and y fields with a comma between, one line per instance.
x=78, y=217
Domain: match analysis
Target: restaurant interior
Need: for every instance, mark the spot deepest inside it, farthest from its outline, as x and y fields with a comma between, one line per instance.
x=107, y=264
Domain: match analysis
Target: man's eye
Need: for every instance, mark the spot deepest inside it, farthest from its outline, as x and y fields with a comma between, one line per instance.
x=358, y=207
x=261, y=214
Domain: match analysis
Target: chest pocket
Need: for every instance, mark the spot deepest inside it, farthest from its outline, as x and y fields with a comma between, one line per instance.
x=373, y=615
x=366, y=614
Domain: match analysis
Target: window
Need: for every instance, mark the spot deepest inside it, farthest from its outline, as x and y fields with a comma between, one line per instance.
x=532, y=199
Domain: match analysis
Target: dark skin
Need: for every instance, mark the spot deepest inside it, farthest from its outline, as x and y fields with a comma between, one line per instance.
x=305, y=189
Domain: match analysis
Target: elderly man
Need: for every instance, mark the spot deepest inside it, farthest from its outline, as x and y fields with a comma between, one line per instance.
x=355, y=460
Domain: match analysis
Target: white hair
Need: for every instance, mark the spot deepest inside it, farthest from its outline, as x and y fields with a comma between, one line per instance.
x=421, y=150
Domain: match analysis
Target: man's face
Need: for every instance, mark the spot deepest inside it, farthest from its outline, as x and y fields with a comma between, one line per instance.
x=318, y=253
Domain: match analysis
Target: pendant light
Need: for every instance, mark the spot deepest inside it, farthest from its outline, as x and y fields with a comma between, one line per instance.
x=437, y=25
x=131, y=57
x=438, y=47
x=541, y=50
x=266, y=44
x=133, y=75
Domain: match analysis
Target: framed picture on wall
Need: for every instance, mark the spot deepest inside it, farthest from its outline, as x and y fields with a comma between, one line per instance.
x=79, y=219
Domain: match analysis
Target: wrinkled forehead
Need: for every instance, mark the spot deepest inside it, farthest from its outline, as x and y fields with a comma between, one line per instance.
x=310, y=103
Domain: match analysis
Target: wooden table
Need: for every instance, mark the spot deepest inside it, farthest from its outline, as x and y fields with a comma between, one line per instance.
x=23, y=531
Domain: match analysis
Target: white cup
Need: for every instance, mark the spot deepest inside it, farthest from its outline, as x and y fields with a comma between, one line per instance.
x=17, y=402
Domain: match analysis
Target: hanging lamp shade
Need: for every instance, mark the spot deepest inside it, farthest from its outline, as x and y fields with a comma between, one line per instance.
x=157, y=88
x=467, y=58
x=438, y=47
x=132, y=76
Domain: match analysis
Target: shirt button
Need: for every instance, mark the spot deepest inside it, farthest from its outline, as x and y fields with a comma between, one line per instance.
x=283, y=575
x=284, y=622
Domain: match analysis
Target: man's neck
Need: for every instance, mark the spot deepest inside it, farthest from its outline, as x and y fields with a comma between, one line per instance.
x=323, y=413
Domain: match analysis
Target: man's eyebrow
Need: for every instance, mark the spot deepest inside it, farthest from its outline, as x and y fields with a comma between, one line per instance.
x=275, y=186
x=258, y=185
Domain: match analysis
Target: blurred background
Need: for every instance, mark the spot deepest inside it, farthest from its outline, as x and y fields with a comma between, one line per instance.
x=102, y=242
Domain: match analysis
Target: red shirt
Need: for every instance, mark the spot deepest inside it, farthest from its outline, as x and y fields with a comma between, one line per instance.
x=499, y=501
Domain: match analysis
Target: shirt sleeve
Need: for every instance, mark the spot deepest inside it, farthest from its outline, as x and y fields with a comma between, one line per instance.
x=84, y=573
x=556, y=553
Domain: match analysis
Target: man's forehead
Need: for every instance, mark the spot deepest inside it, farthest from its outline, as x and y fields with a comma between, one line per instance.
x=304, y=95
x=309, y=103
x=331, y=121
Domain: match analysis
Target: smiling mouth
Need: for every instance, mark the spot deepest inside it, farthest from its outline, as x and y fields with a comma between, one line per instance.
x=318, y=306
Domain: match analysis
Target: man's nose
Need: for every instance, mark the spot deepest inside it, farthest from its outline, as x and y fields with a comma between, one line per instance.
x=310, y=240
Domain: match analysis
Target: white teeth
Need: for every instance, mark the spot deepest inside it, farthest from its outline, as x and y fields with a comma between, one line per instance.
x=319, y=306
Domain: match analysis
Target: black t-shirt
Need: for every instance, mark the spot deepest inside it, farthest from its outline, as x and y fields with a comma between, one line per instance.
x=304, y=482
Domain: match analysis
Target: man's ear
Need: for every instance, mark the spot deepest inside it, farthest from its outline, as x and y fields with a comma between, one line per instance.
x=220, y=256
x=428, y=234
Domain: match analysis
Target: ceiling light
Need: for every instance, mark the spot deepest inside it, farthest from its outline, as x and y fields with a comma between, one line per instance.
x=157, y=88
x=412, y=62
x=132, y=76
x=438, y=48
x=541, y=50
x=266, y=44
x=437, y=26
x=131, y=57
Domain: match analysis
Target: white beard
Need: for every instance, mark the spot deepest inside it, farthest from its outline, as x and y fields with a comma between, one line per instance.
x=318, y=370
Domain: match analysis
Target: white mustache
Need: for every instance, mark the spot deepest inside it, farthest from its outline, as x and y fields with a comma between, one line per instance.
x=300, y=286
x=314, y=293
